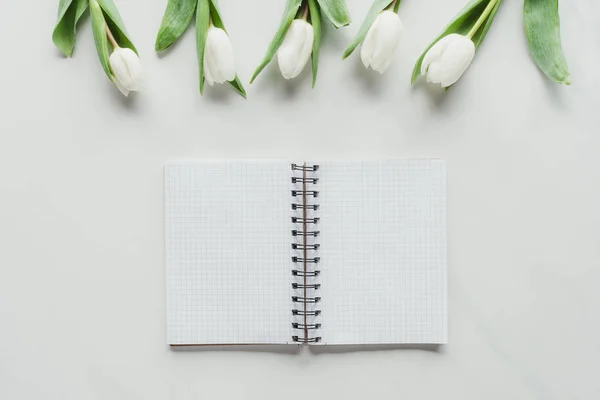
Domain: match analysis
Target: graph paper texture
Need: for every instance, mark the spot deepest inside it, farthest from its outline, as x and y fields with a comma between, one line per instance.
x=383, y=252
x=228, y=252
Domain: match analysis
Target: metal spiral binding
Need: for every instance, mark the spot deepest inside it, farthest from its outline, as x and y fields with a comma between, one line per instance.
x=299, y=246
x=311, y=168
x=304, y=193
x=296, y=325
x=306, y=340
x=310, y=286
x=296, y=232
x=313, y=313
x=298, y=299
x=305, y=206
x=314, y=260
x=295, y=272
x=300, y=220
x=305, y=288
x=303, y=180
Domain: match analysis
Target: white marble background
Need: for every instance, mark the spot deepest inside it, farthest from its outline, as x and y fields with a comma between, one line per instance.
x=81, y=196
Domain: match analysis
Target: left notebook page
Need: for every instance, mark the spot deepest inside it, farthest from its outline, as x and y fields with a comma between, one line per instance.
x=228, y=252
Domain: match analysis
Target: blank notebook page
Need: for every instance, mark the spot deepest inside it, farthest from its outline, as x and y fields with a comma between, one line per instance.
x=383, y=252
x=228, y=252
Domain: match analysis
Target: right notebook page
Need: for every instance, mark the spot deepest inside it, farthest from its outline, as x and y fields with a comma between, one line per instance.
x=383, y=252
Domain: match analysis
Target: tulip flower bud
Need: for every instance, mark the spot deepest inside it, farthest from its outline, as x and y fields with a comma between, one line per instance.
x=381, y=41
x=219, y=64
x=126, y=69
x=448, y=59
x=296, y=48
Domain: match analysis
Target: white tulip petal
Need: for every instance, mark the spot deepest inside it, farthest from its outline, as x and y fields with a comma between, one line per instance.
x=382, y=61
x=382, y=67
x=289, y=51
x=306, y=50
x=207, y=73
x=367, y=48
x=448, y=59
x=127, y=70
x=296, y=48
x=435, y=52
x=135, y=71
x=287, y=60
x=456, y=59
x=219, y=63
x=389, y=34
x=211, y=65
x=124, y=91
x=210, y=62
x=433, y=73
x=224, y=55
x=211, y=54
x=381, y=42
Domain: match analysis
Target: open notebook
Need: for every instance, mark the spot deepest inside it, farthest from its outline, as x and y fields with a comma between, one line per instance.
x=284, y=252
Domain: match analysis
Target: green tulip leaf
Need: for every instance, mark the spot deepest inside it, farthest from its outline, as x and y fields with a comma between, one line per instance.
x=64, y=35
x=116, y=24
x=482, y=32
x=202, y=24
x=315, y=20
x=376, y=9
x=215, y=15
x=237, y=85
x=99, y=29
x=291, y=9
x=336, y=11
x=461, y=24
x=542, y=25
x=177, y=18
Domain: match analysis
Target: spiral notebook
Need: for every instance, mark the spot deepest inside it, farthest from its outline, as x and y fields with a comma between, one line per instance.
x=284, y=252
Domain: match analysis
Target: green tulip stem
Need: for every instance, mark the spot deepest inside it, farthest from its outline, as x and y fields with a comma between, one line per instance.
x=482, y=18
x=392, y=6
x=305, y=13
x=111, y=38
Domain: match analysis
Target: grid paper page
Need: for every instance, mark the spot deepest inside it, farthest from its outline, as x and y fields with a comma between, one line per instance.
x=228, y=252
x=383, y=252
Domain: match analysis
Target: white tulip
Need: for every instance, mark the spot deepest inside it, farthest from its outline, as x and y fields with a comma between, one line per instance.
x=219, y=64
x=381, y=41
x=127, y=70
x=296, y=48
x=448, y=59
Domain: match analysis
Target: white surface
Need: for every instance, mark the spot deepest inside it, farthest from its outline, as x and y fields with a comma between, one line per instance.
x=383, y=251
x=228, y=252
x=82, y=304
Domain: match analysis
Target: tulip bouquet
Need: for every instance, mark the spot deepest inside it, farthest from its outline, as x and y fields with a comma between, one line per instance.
x=379, y=34
x=299, y=38
x=118, y=55
x=299, y=35
x=215, y=53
